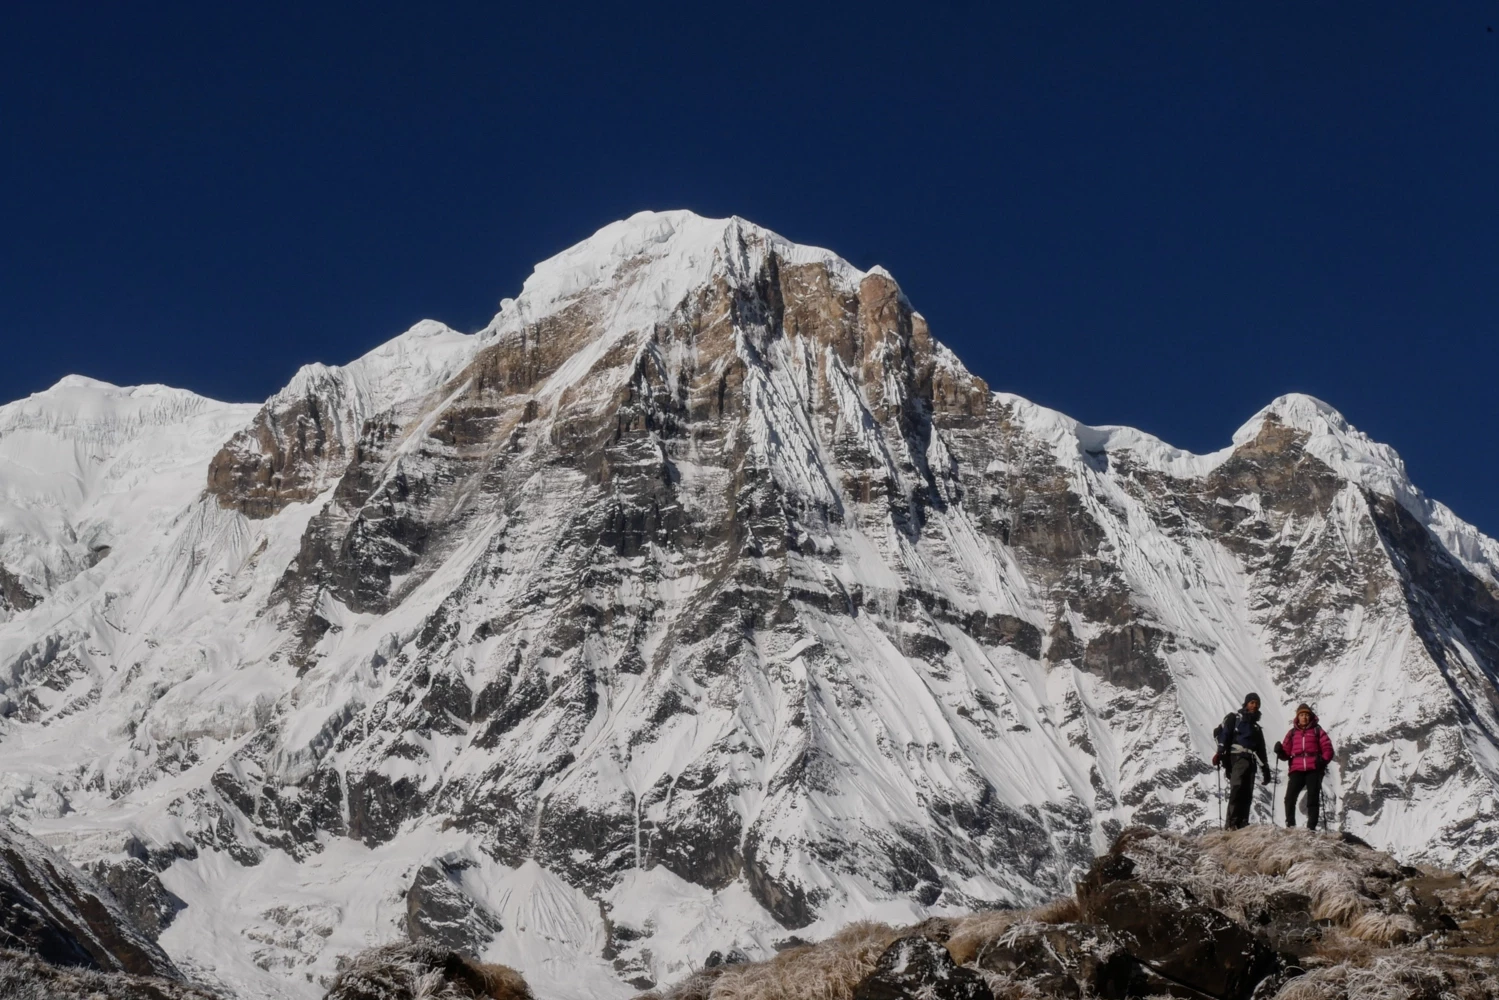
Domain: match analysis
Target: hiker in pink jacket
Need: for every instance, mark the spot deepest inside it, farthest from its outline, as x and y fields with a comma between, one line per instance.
x=1309, y=749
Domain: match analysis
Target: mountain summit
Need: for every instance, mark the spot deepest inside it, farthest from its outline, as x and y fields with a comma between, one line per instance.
x=701, y=599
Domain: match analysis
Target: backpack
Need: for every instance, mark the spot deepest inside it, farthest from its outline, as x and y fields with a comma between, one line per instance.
x=1226, y=727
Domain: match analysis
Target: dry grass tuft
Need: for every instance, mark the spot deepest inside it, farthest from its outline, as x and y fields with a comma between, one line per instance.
x=972, y=933
x=501, y=982
x=828, y=970
x=26, y=977
x=1382, y=928
x=1236, y=870
x=433, y=985
x=1339, y=945
x=424, y=972
x=695, y=987
x=1268, y=850
x=1058, y=911
x=1337, y=894
x=1311, y=987
x=1396, y=976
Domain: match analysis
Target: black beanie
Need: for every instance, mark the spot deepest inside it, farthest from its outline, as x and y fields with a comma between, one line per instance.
x=1251, y=696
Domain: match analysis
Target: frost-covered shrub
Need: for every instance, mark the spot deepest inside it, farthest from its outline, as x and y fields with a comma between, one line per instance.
x=971, y=933
x=828, y=970
x=424, y=972
x=1408, y=975
x=1007, y=987
x=25, y=977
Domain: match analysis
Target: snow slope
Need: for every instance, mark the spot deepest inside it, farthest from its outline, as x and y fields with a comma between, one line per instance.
x=86, y=465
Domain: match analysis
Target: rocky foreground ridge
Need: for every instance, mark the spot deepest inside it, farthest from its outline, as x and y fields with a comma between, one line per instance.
x=701, y=602
x=1253, y=913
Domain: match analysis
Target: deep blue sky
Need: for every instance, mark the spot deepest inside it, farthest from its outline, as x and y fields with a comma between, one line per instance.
x=1159, y=214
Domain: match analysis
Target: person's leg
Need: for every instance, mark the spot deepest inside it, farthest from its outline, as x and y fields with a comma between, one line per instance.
x=1313, y=798
x=1233, y=793
x=1241, y=790
x=1294, y=783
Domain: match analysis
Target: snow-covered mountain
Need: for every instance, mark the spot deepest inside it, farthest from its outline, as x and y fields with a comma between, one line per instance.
x=86, y=466
x=701, y=600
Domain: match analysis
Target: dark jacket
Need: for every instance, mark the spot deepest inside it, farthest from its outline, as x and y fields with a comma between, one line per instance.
x=1243, y=728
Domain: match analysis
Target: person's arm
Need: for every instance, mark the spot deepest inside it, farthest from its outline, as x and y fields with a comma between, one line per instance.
x=1326, y=748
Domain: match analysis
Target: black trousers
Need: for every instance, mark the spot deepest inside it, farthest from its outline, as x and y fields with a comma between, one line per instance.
x=1241, y=768
x=1312, y=782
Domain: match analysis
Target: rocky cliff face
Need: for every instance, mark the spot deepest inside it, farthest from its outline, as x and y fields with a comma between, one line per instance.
x=703, y=599
x=52, y=910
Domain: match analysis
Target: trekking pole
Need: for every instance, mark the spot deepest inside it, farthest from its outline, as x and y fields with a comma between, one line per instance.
x=1220, y=796
x=1270, y=803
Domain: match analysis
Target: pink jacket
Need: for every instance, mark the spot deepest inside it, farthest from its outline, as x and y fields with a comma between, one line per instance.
x=1310, y=748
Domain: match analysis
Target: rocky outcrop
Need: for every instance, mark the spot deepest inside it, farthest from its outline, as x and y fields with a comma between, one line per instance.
x=138, y=890
x=1257, y=913
x=1071, y=960
x=917, y=967
x=52, y=910
x=440, y=912
x=13, y=595
x=288, y=455
x=302, y=440
x=1162, y=926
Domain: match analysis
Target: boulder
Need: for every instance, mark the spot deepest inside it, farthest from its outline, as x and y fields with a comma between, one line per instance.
x=916, y=967
x=1285, y=924
x=1167, y=930
x=1064, y=960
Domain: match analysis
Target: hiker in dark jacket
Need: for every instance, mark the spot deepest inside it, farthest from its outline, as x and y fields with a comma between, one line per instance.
x=1240, y=743
x=1309, y=749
